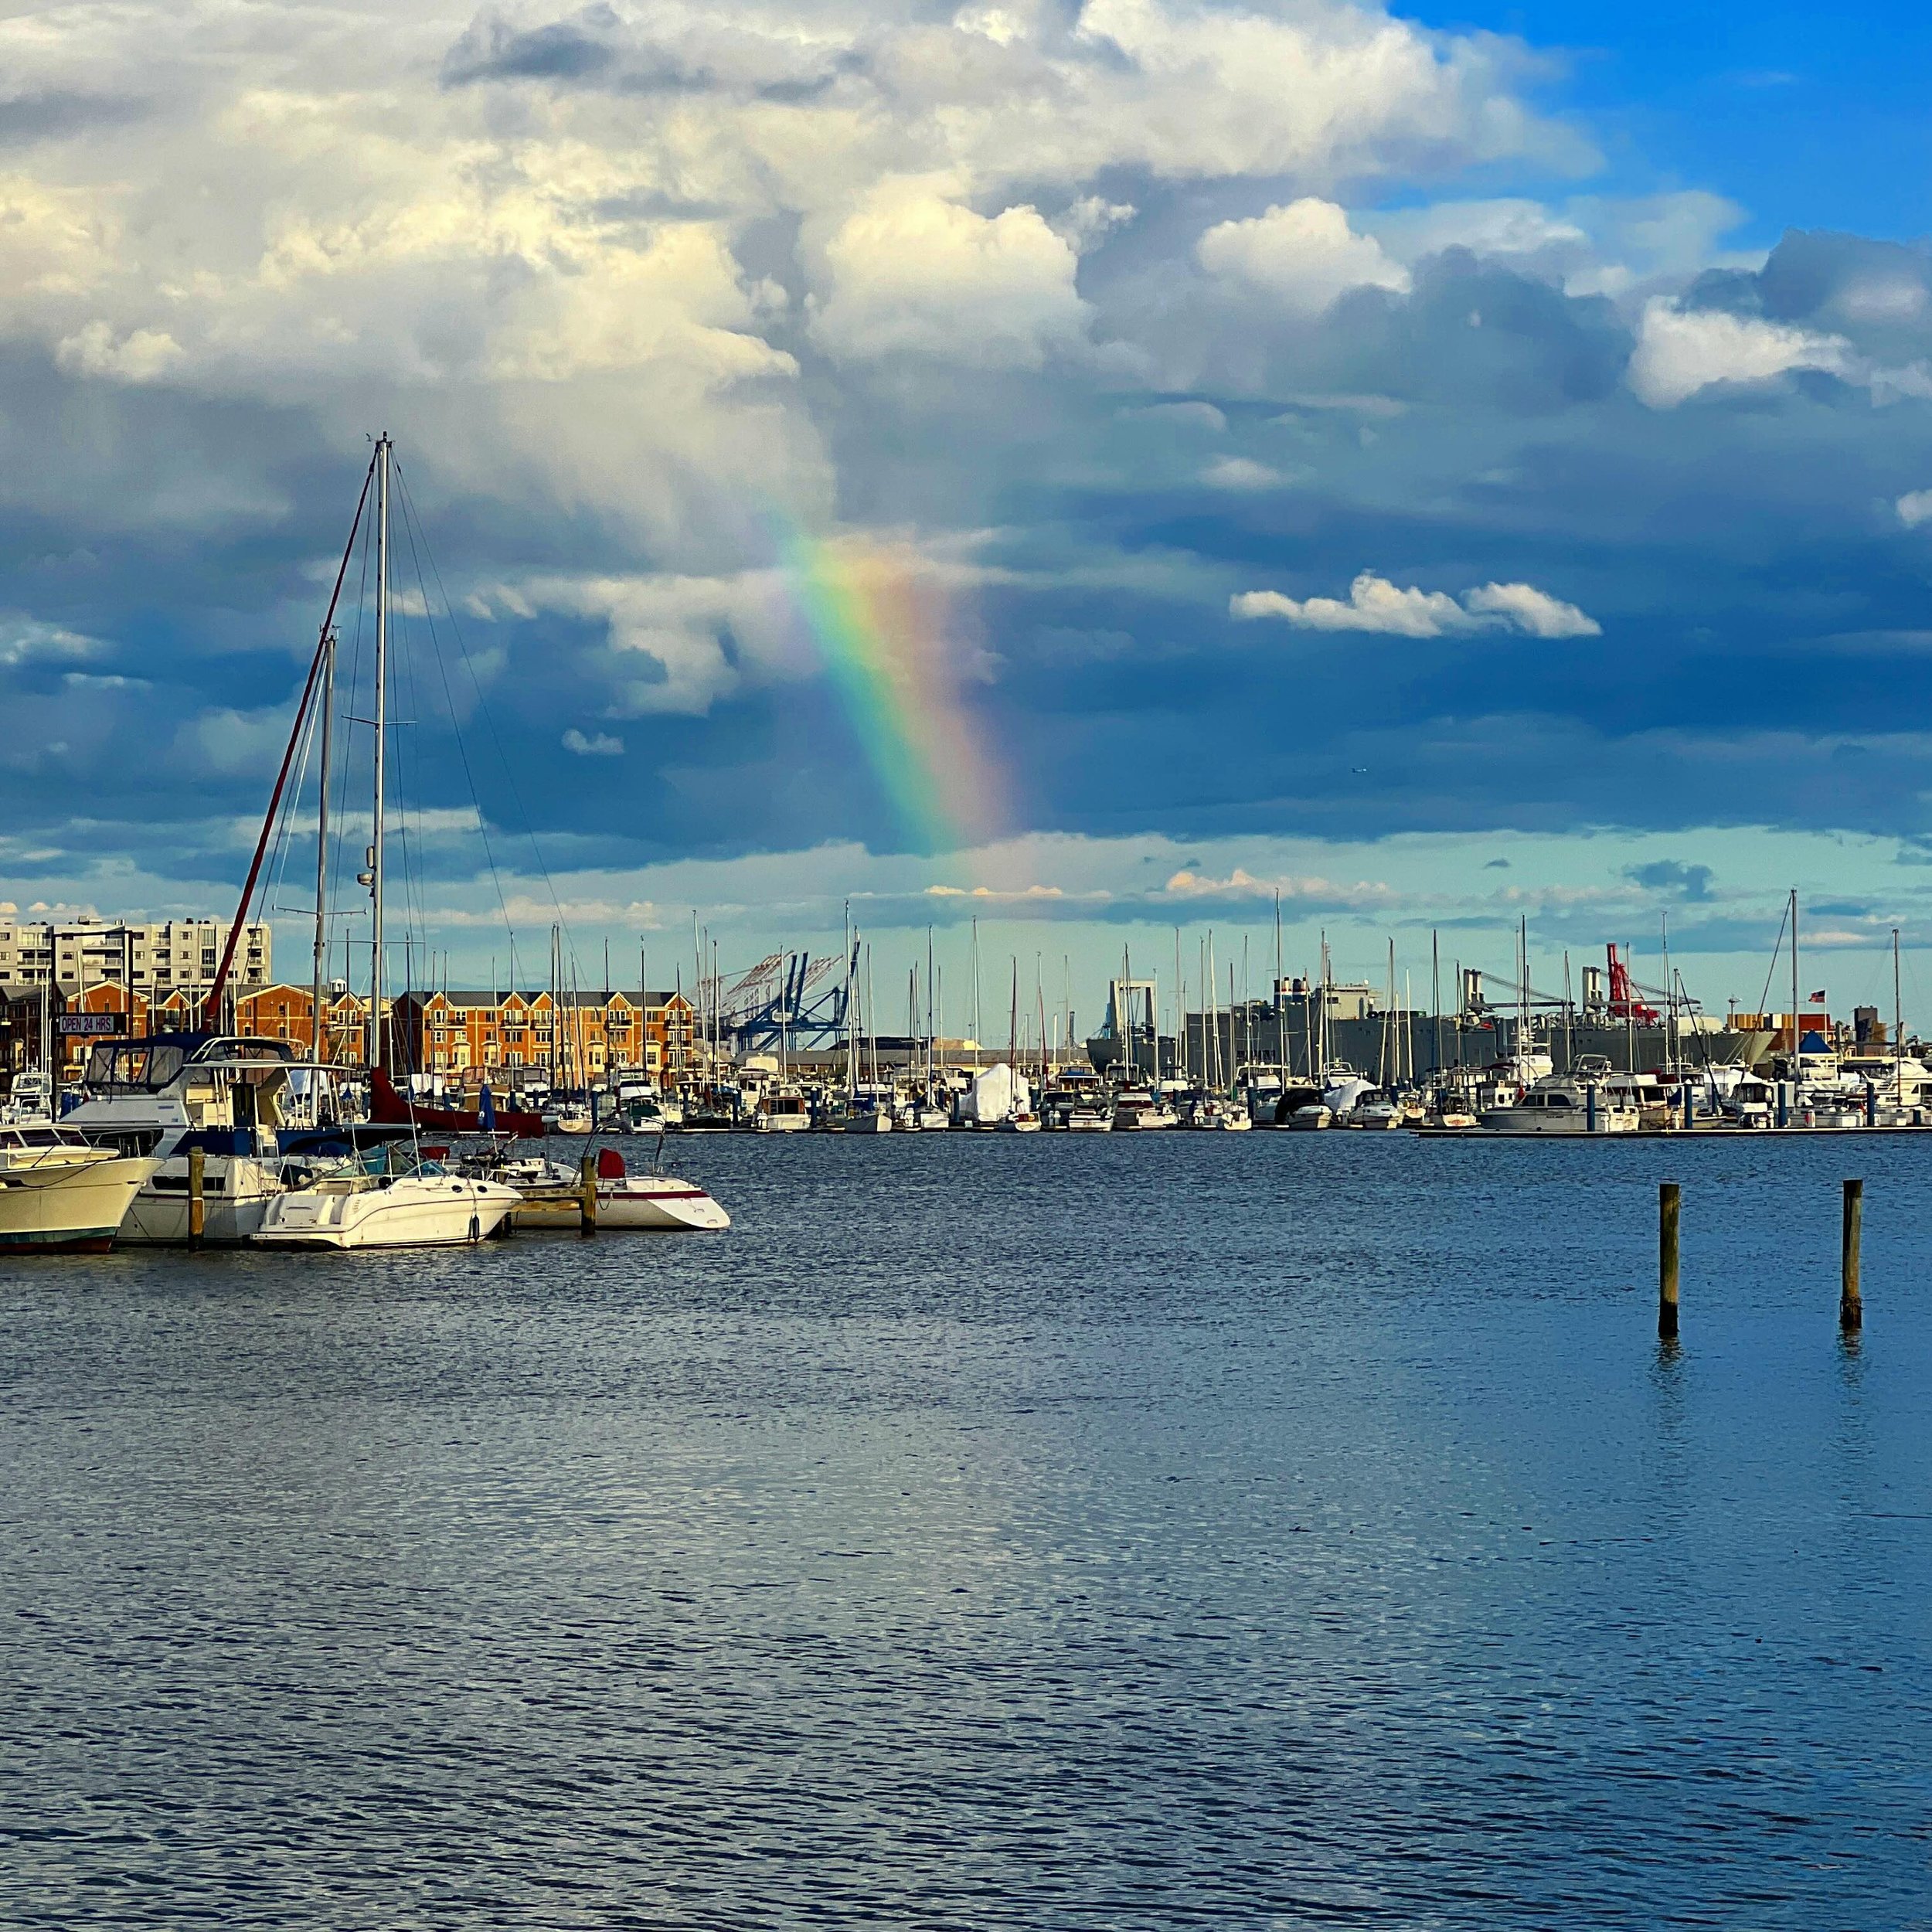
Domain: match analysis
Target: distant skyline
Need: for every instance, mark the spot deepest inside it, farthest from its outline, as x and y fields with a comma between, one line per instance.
x=1088, y=467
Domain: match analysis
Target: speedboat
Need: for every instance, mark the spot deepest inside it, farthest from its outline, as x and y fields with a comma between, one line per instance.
x=550, y=1196
x=385, y=1199
x=1310, y=1115
x=1091, y=1118
x=59, y=1193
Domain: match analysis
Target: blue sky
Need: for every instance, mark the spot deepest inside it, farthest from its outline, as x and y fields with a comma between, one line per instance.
x=1442, y=467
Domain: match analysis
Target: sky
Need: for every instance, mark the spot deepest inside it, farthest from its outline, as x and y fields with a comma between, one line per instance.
x=1084, y=469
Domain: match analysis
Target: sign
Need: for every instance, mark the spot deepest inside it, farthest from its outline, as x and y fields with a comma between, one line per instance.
x=90, y=1026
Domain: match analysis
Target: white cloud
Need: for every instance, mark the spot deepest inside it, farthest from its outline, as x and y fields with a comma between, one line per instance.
x=675, y=643
x=1681, y=350
x=1914, y=507
x=1526, y=608
x=599, y=744
x=144, y=356
x=1303, y=255
x=1239, y=473
x=1502, y=227
x=913, y=273
x=1374, y=603
x=22, y=638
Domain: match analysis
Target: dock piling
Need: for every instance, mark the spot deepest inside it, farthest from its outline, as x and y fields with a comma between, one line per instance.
x=587, y=1198
x=1667, y=1198
x=197, y=1197
x=1851, y=1305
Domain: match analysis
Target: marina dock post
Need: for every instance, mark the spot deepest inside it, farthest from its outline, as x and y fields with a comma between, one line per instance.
x=587, y=1198
x=1668, y=1194
x=197, y=1195
x=1851, y=1305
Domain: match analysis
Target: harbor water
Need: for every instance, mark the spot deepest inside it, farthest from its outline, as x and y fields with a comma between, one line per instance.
x=1126, y=1532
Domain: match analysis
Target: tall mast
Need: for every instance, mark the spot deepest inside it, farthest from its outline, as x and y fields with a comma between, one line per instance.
x=318, y=1023
x=1281, y=1035
x=1435, y=999
x=1798, y=1031
x=1180, y=1014
x=381, y=1056
x=1898, y=1025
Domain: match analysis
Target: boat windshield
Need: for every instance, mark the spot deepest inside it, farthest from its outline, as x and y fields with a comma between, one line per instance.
x=135, y=1066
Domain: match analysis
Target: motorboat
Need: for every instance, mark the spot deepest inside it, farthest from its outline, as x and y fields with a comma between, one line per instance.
x=226, y=1096
x=1136, y=1109
x=387, y=1199
x=786, y=1110
x=550, y=1196
x=1310, y=1116
x=1374, y=1110
x=930, y=1120
x=1558, y=1106
x=1089, y=1118
x=1211, y=1114
x=1026, y=1121
x=60, y=1193
x=30, y=1099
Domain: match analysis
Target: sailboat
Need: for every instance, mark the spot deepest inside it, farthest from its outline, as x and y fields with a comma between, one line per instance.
x=390, y=1197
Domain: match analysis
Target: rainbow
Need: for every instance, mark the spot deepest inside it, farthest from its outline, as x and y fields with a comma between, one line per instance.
x=880, y=622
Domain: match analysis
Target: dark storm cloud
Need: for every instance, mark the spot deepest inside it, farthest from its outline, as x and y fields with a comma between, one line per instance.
x=1672, y=875
x=26, y=119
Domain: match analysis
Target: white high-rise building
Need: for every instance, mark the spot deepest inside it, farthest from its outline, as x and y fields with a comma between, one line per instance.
x=153, y=959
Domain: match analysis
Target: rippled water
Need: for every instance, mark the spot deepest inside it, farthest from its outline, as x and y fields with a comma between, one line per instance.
x=1250, y=1531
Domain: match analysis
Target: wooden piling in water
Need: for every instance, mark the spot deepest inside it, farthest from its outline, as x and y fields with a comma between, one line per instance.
x=1851, y=1306
x=588, y=1199
x=197, y=1195
x=1667, y=1195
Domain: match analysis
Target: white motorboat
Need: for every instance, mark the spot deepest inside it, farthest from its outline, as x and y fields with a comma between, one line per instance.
x=1023, y=1123
x=784, y=1110
x=60, y=1194
x=1212, y=1114
x=550, y=1196
x=1306, y=1119
x=223, y=1094
x=381, y=1202
x=1095, y=1119
x=1136, y=1109
x=30, y=1099
x=1555, y=1106
x=931, y=1119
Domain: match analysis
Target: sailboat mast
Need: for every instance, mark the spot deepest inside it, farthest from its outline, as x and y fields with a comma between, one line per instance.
x=1281, y=1035
x=380, y=1057
x=1898, y=1026
x=1797, y=1031
x=319, y=1024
